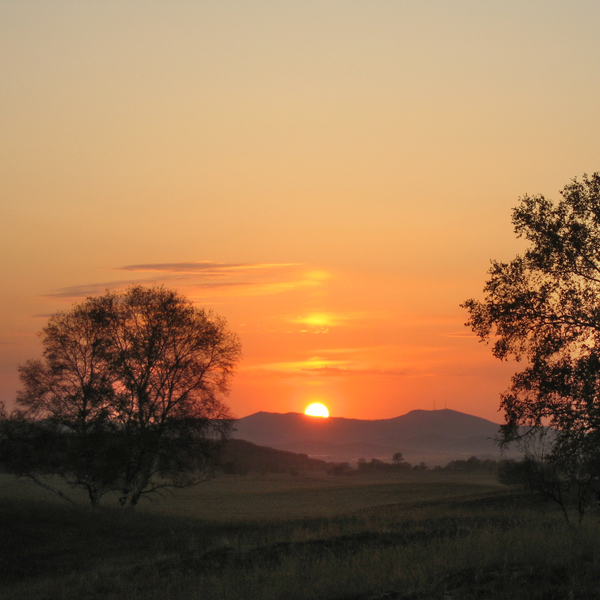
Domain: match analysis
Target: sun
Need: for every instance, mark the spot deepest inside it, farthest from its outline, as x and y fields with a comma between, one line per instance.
x=317, y=410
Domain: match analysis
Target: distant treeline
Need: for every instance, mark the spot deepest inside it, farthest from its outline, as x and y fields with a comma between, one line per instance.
x=241, y=457
x=399, y=465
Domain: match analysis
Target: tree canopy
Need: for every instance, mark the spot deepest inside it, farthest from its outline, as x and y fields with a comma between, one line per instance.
x=126, y=397
x=543, y=308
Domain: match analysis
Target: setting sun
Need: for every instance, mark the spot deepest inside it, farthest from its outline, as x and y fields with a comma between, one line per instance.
x=317, y=410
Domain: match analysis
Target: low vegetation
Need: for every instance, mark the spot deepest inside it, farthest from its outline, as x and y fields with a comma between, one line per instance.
x=447, y=534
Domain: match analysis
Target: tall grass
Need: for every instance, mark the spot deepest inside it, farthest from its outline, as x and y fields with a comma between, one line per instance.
x=444, y=541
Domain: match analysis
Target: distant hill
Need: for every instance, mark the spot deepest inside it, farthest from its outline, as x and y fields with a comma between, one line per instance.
x=435, y=437
x=241, y=457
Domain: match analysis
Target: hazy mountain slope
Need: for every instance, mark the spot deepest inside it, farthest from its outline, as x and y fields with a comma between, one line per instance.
x=241, y=456
x=419, y=434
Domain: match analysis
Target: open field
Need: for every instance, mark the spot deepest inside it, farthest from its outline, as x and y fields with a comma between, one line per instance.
x=414, y=536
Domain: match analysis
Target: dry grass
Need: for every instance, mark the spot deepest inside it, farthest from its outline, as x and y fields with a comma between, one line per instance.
x=428, y=535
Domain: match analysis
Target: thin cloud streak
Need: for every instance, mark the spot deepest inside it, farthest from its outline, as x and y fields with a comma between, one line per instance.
x=206, y=267
x=94, y=289
x=327, y=367
x=343, y=372
x=459, y=334
x=331, y=372
x=263, y=279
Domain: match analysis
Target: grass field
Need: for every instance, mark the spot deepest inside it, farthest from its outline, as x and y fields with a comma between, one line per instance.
x=410, y=536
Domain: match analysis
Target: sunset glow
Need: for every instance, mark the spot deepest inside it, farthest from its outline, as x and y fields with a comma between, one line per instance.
x=317, y=410
x=332, y=178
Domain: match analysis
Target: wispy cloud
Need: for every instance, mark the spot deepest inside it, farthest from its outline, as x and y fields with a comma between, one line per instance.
x=345, y=371
x=459, y=334
x=206, y=268
x=283, y=371
x=204, y=278
x=322, y=322
x=327, y=367
x=75, y=292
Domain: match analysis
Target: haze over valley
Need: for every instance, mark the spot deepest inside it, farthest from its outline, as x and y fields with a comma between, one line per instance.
x=435, y=437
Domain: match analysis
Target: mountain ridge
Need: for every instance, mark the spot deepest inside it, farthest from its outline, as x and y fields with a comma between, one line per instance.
x=433, y=436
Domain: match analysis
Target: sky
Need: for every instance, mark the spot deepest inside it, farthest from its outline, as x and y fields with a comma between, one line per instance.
x=333, y=177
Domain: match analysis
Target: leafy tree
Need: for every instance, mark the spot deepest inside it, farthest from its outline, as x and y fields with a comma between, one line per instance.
x=397, y=458
x=543, y=308
x=67, y=398
x=130, y=389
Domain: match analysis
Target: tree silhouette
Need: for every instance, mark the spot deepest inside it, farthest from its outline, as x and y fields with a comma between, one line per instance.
x=129, y=390
x=543, y=307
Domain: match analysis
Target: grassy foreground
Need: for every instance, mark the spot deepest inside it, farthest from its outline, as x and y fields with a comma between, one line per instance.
x=416, y=536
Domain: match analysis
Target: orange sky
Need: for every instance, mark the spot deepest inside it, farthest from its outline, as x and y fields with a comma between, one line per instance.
x=333, y=178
